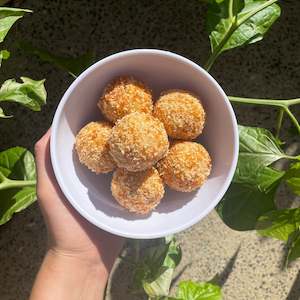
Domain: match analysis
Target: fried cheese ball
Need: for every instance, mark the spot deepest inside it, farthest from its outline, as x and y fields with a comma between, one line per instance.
x=186, y=166
x=123, y=96
x=181, y=113
x=138, y=141
x=139, y=192
x=92, y=147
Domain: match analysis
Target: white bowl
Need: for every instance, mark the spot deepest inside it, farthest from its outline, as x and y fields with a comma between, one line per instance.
x=90, y=194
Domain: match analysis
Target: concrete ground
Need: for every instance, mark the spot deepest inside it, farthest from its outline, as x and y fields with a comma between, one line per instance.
x=249, y=266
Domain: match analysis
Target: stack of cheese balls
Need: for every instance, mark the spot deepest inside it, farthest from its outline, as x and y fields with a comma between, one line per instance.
x=134, y=143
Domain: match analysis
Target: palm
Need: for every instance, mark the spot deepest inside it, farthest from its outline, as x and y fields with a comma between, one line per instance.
x=68, y=231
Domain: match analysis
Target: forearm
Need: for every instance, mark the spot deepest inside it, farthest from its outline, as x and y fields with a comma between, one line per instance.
x=63, y=277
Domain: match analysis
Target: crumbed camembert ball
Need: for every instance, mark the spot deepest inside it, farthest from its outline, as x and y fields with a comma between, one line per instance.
x=138, y=141
x=181, y=113
x=186, y=166
x=123, y=96
x=92, y=147
x=139, y=192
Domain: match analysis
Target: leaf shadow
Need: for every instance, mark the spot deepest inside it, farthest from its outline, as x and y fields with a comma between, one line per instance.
x=221, y=278
x=176, y=278
x=121, y=280
x=294, y=293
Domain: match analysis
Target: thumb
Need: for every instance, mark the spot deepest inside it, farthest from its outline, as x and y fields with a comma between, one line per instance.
x=42, y=155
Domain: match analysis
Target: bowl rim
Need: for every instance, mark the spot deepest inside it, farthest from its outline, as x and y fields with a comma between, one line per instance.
x=54, y=132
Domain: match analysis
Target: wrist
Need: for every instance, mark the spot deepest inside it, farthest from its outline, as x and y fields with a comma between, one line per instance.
x=75, y=277
x=81, y=261
x=69, y=277
x=89, y=256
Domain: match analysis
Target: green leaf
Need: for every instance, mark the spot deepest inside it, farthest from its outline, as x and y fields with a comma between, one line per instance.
x=15, y=200
x=173, y=254
x=283, y=225
x=30, y=93
x=293, y=246
x=293, y=178
x=258, y=148
x=236, y=23
x=242, y=206
x=155, y=272
x=163, y=260
x=248, y=24
x=263, y=179
x=279, y=224
x=189, y=290
x=4, y=55
x=17, y=181
x=3, y=115
x=17, y=163
x=8, y=16
x=161, y=285
x=74, y=66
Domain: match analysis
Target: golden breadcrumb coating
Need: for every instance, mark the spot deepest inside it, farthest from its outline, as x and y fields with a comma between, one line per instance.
x=181, y=113
x=138, y=141
x=139, y=192
x=92, y=147
x=186, y=166
x=123, y=96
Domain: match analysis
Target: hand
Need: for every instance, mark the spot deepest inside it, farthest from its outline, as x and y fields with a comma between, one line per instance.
x=71, y=238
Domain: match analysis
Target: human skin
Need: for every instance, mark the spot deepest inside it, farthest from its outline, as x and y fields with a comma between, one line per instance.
x=79, y=256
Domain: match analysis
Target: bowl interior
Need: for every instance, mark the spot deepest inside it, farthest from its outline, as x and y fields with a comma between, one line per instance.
x=90, y=194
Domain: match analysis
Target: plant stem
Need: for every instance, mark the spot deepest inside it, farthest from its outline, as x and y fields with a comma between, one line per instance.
x=291, y=102
x=230, y=11
x=210, y=61
x=293, y=118
x=217, y=51
x=279, y=122
x=292, y=157
x=10, y=184
x=282, y=104
x=270, y=102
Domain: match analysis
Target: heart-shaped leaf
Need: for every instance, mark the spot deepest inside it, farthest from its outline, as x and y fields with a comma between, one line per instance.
x=242, y=206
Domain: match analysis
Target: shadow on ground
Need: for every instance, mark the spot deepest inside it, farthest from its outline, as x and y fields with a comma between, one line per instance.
x=294, y=293
x=120, y=286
